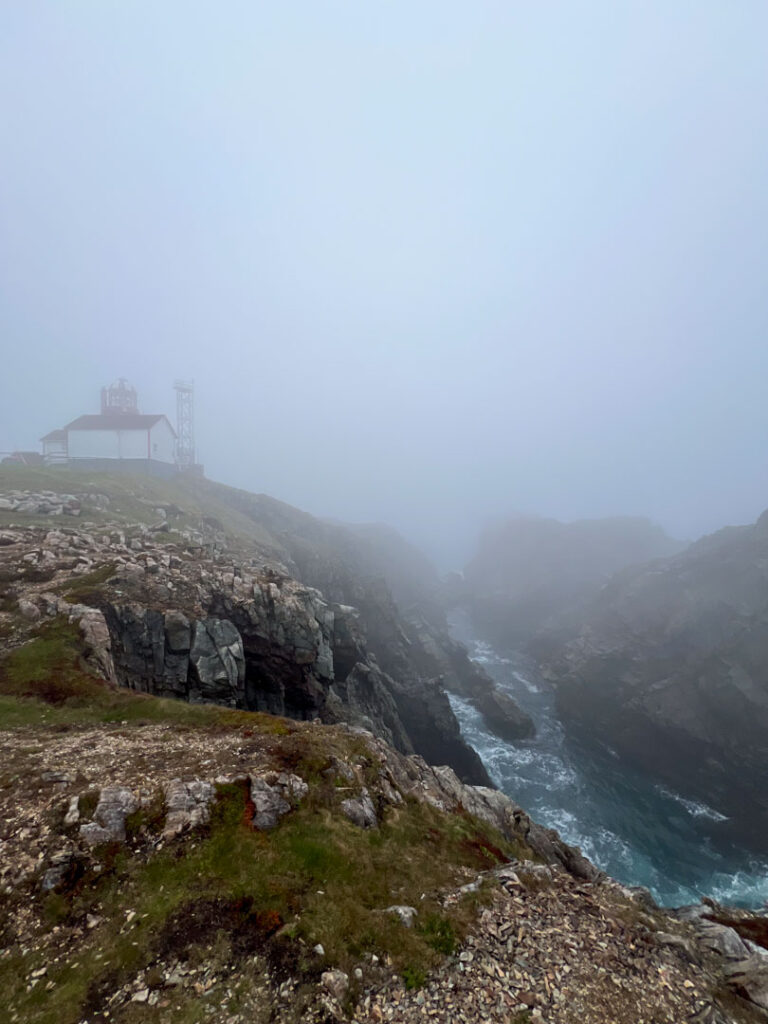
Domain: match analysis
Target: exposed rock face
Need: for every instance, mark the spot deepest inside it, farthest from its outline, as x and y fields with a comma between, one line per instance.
x=399, y=618
x=283, y=624
x=529, y=573
x=360, y=810
x=187, y=805
x=439, y=656
x=669, y=669
x=108, y=825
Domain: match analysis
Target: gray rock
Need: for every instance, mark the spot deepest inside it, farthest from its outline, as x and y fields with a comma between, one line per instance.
x=680, y=943
x=336, y=983
x=406, y=914
x=270, y=805
x=721, y=939
x=30, y=611
x=58, y=867
x=72, y=815
x=95, y=835
x=178, y=632
x=749, y=978
x=187, y=805
x=360, y=810
x=115, y=804
x=217, y=660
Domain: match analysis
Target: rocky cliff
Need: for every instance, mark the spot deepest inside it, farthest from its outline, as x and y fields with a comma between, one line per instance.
x=532, y=573
x=668, y=668
x=174, y=863
x=199, y=860
x=222, y=596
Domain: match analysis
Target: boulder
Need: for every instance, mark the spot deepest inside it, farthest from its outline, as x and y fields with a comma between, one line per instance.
x=749, y=978
x=360, y=810
x=269, y=804
x=187, y=805
x=336, y=983
x=108, y=825
x=217, y=661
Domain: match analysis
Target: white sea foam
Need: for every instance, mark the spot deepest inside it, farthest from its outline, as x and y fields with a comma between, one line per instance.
x=695, y=809
x=652, y=848
x=531, y=687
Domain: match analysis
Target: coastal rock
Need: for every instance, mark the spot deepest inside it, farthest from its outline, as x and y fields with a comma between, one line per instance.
x=336, y=983
x=360, y=810
x=750, y=979
x=269, y=804
x=108, y=825
x=187, y=805
x=217, y=662
x=667, y=666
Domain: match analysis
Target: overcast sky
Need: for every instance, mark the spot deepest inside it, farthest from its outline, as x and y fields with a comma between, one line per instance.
x=426, y=261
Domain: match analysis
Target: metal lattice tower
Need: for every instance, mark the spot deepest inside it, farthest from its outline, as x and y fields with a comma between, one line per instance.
x=185, y=425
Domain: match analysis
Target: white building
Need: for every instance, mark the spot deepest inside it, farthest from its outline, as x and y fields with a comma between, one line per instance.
x=119, y=438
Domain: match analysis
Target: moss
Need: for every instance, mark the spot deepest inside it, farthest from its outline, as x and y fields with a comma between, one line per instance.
x=149, y=819
x=85, y=589
x=315, y=878
x=414, y=977
x=87, y=803
x=440, y=934
x=50, y=667
x=56, y=908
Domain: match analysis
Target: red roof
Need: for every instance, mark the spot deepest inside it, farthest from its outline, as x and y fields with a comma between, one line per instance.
x=117, y=421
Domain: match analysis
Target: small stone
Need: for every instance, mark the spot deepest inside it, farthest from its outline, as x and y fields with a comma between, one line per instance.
x=318, y=949
x=336, y=983
x=73, y=812
x=141, y=996
x=406, y=914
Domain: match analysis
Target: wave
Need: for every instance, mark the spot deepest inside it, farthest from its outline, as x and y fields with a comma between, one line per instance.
x=531, y=687
x=695, y=809
x=624, y=823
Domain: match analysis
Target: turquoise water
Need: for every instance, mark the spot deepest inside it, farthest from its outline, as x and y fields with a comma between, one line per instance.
x=639, y=832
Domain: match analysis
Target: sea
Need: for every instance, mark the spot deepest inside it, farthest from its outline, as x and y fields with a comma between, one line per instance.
x=639, y=832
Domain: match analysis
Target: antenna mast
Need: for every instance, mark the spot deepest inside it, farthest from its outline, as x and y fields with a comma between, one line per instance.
x=185, y=425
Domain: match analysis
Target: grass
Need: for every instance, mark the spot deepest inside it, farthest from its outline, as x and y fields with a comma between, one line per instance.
x=85, y=589
x=46, y=682
x=50, y=667
x=127, y=707
x=199, y=503
x=231, y=892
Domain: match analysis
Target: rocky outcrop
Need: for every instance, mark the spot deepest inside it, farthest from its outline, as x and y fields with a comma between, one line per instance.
x=207, y=624
x=439, y=656
x=668, y=668
x=543, y=936
x=399, y=615
x=531, y=573
x=108, y=825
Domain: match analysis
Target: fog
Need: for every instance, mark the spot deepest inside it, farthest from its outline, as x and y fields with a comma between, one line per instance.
x=426, y=262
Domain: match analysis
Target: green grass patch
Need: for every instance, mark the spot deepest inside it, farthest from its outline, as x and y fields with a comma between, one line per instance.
x=50, y=667
x=231, y=892
x=46, y=682
x=85, y=589
x=122, y=706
